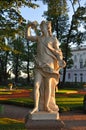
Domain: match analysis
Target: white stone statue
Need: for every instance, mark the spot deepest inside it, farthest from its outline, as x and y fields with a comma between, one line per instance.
x=48, y=61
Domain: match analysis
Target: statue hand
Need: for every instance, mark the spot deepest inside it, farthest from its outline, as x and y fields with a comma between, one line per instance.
x=33, y=25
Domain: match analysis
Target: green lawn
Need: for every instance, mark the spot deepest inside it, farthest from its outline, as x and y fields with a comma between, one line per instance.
x=69, y=100
x=11, y=124
x=66, y=99
x=70, y=103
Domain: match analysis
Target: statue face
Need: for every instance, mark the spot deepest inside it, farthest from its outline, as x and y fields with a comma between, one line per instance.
x=49, y=26
x=43, y=27
x=46, y=27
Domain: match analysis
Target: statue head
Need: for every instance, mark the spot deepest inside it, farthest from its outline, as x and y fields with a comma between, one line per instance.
x=49, y=27
x=46, y=27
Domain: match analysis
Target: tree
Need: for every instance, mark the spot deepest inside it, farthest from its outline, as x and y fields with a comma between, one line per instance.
x=18, y=49
x=10, y=26
x=3, y=66
x=57, y=13
x=10, y=17
x=74, y=34
x=30, y=58
x=67, y=32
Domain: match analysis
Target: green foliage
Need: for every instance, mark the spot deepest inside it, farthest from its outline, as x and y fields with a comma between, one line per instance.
x=78, y=20
x=69, y=59
x=12, y=24
x=10, y=17
x=57, y=13
x=67, y=32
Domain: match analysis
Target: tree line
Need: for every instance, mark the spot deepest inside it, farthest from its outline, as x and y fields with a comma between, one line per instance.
x=17, y=54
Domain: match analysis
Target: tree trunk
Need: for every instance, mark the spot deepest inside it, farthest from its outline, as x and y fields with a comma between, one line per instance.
x=16, y=69
x=57, y=29
x=5, y=67
x=28, y=75
x=66, y=54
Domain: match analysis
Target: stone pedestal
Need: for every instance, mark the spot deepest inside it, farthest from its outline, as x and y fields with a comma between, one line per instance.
x=43, y=121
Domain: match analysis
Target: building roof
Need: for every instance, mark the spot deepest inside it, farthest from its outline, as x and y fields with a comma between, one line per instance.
x=79, y=48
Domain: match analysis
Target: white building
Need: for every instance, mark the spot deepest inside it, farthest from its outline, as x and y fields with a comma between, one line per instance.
x=78, y=72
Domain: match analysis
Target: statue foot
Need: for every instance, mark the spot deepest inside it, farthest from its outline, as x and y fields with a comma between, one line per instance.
x=34, y=110
x=49, y=110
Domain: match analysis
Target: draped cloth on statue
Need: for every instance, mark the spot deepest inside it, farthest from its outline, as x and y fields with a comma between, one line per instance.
x=48, y=62
x=47, y=65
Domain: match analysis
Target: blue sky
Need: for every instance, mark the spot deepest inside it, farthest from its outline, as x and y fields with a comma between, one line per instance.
x=34, y=14
x=37, y=14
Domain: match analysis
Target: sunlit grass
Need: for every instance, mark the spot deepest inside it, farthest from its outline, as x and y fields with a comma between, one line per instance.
x=70, y=101
x=9, y=121
x=5, y=93
x=11, y=124
x=22, y=100
x=64, y=98
x=67, y=91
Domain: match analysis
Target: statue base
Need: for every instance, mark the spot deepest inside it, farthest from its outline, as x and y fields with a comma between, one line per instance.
x=44, y=116
x=44, y=121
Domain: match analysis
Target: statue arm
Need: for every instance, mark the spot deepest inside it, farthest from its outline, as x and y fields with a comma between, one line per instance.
x=56, y=46
x=28, y=34
x=53, y=50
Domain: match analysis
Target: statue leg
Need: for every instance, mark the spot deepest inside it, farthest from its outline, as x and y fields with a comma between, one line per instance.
x=37, y=83
x=48, y=83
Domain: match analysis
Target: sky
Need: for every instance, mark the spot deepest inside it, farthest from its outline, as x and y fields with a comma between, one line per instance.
x=37, y=14
x=34, y=14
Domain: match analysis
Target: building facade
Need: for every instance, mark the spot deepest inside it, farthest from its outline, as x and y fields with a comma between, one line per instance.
x=78, y=72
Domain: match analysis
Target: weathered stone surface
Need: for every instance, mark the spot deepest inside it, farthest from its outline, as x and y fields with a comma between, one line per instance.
x=42, y=115
x=48, y=62
x=44, y=121
x=44, y=124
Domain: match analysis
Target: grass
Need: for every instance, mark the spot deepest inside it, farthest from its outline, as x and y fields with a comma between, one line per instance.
x=66, y=99
x=66, y=91
x=65, y=102
x=5, y=93
x=11, y=124
x=69, y=100
x=26, y=102
x=70, y=103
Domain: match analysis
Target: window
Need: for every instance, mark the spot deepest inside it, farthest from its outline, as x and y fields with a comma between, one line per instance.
x=81, y=63
x=81, y=77
x=75, y=58
x=85, y=63
x=75, y=66
x=75, y=77
x=69, y=75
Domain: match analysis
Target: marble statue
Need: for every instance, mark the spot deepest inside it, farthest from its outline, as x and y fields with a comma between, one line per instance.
x=48, y=62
